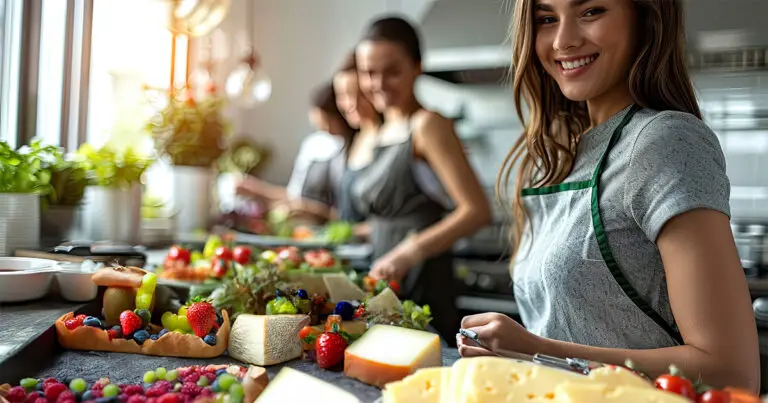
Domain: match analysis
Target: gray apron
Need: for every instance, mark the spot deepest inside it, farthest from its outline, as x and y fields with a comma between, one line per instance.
x=564, y=220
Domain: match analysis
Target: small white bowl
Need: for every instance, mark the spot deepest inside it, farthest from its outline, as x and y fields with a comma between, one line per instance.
x=75, y=283
x=25, y=279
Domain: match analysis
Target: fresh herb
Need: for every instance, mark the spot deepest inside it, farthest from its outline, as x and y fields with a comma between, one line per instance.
x=111, y=168
x=243, y=157
x=338, y=232
x=411, y=316
x=25, y=170
x=69, y=177
x=246, y=288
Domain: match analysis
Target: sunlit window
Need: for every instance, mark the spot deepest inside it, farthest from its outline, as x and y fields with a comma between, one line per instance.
x=10, y=47
x=50, y=80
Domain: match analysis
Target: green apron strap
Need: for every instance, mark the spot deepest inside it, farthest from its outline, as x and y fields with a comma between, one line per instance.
x=602, y=238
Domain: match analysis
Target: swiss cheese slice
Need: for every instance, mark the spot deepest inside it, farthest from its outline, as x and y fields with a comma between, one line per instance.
x=266, y=339
x=619, y=376
x=291, y=385
x=384, y=303
x=389, y=353
x=341, y=288
x=601, y=393
x=423, y=386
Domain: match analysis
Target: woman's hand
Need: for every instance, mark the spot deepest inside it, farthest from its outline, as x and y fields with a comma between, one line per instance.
x=394, y=265
x=498, y=332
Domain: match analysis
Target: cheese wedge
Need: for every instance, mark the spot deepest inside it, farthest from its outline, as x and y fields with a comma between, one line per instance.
x=341, y=288
x=384, y=303
x=423, y=386
x=266, y=339
x=291, y=385
x=498, y=379
x=602, y=393
x=389, y=353
x=254, y=382
x=619, y=376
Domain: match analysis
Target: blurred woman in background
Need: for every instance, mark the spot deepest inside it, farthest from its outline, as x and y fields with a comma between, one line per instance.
x=318, y=166
x=397, y=181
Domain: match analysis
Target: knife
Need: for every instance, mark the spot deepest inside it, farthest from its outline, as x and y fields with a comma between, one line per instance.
x=579, y=365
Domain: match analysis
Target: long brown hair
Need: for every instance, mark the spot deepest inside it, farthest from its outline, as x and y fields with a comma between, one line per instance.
x=545, y=151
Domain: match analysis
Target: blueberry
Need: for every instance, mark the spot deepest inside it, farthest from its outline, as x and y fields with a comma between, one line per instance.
x=278, y=293
x=303, y=294
x=345, y=310
x=219, y=318
x=153, y=337
x=215, y=385
x=91, y=321
x=220, y=371
x=119, y=330
x=162, y=332
x=87, y=395
x=141, y=336
x=210, y=340
x=39, y=386
x=105, y=399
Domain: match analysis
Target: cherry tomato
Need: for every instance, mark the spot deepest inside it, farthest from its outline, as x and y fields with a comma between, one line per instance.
x=714, y=396
x=319, y=258
x=290, y=254
x=179, y=254
x=394, y=286
x=676, y=384
x=306, y=331
x=220, y=267
x=222, y=252
x=242, y=254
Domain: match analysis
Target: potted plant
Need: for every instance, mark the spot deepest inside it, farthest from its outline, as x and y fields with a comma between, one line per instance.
x=191, y=134
x=112, y=210
x=23, y=179
x=68, y=182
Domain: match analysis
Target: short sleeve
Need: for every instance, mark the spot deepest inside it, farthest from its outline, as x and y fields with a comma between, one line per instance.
x=676, y=165
x=311, y=175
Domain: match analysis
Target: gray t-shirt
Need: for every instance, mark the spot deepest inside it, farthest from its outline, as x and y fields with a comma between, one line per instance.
x=664, y=164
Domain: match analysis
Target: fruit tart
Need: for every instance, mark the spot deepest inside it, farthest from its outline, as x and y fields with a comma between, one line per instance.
x=197, y=330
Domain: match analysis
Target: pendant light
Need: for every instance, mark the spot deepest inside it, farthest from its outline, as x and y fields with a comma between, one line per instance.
x=196, y=18
x=248, y=84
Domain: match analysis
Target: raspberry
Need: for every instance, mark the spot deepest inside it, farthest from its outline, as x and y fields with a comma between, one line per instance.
x=80, y=318
x=53, y=391
x=41, y=400
x=71, y=324
x=112, y=333
x=169, y=398
x=152, y=400
x=133, y=390
x=154, y=391
x=32, y=397
x=97, y=386
x=190, y=389
x=193, y=377
x=17, y=394
x=49, y=381
x=184, y=372
x=207, y=392
x=164, y=385
x=65, y=397
x=211, y=377
x=136, y=399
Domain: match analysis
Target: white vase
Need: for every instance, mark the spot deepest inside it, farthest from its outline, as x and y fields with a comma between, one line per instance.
x=111, y=214
x=19, y=222
x=192, y=198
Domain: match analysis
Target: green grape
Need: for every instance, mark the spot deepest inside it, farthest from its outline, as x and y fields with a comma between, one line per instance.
x=170, y=321
x=220, y=397
x=78, y=385
x=28, y=383
x=172, y=375
x=236, y=390
x=149, y=282
x=161, y=373
x=226, y=381
x=143, y=301
x=110, y=390
x=203, y=382
x=150, y=377
x=184, y=324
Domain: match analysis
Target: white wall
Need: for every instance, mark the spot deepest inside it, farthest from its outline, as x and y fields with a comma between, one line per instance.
x=301, y=42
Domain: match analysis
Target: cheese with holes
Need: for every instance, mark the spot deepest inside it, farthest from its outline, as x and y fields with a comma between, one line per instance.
x=384, y=303
x=423, y=386
x=619, y=376
x=291, y=385
x=389, y=353
x=341, y=288
x=266, y=339
x=602, y=393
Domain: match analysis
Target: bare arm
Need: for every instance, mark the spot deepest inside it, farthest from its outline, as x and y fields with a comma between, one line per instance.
x=261, y=191
x=436, y=142
x=711, y=303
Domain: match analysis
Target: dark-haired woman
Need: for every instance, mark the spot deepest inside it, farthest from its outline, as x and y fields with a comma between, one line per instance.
x=624, y=248
x=312, y=188
x=400, y=185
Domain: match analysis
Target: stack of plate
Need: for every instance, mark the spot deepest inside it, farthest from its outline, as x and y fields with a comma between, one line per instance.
x=19, y=222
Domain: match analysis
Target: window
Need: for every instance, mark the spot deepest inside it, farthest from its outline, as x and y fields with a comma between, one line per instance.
x=10, y=57
x=50, y=79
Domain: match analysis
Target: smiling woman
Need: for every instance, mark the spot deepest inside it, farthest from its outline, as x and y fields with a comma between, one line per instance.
x=623, y=244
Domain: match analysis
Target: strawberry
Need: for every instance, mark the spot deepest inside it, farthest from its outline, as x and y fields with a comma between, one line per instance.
x=330, y=349
x=72, y=324
x=201, y=316
x=130, y=322
x=360, y=311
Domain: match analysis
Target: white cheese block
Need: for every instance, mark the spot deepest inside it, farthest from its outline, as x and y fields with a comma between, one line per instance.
x=266, y=339
x=424, y=386
x=619, y=376
x=389, y=353
x=602, y=393
x=384, y=303
x=291, y=385
x=341, y=288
